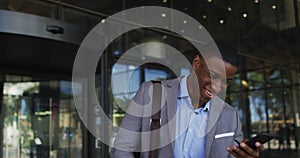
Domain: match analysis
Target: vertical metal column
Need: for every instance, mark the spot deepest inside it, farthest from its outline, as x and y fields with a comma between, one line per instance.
x=2, y=115
x=245, y=100
x=266, y=99
x=296, y=13
x=104, y=101
x=283, y=102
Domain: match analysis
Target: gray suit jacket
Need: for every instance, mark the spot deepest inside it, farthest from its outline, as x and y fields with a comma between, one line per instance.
x=223, y=125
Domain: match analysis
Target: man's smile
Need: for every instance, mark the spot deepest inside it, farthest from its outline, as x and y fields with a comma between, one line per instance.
x=210, y=93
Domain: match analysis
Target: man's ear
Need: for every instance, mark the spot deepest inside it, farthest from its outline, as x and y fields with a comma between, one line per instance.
x=196, y=61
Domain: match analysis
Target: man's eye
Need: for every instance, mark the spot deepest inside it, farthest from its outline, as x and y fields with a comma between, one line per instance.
x=213, y=75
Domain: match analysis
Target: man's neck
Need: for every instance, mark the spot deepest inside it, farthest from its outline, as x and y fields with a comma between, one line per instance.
x=198, y=104
x=194, y=93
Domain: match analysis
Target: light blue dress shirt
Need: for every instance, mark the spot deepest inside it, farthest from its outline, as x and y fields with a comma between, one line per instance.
x=191, y=126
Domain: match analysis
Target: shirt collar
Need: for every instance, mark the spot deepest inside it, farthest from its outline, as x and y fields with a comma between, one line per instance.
x=207, y=106
x=183, y=92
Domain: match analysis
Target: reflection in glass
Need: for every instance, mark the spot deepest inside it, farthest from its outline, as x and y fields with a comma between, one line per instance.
x=40, y=120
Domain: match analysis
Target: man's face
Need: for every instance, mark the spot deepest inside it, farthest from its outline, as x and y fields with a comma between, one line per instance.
x=210, y=79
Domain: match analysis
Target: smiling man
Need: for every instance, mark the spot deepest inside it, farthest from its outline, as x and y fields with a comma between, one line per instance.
x=204, y=127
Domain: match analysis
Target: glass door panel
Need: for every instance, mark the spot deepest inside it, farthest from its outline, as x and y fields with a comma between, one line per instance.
x=40, y=121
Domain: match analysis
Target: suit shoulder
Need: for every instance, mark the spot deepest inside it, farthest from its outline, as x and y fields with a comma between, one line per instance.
x=229, y=108
x=226, y=106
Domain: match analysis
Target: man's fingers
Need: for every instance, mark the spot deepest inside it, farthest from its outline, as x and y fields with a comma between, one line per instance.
x=249, y=150
x=259, y=147
x=238, y=152
x=232, y=151
x=245, y=140
x=244, y=151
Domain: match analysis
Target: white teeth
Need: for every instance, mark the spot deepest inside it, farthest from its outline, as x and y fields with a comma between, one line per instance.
x=209, y=93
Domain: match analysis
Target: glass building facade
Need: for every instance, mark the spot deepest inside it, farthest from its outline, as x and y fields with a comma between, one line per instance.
x=40, y=39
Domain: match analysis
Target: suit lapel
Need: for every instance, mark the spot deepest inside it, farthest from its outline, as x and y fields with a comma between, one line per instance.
x=216, y=106
x=171, y=88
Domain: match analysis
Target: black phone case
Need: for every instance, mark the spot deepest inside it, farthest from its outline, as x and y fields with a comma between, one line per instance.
x=262, y=138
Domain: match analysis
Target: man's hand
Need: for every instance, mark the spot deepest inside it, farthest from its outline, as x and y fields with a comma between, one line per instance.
x=244, y=151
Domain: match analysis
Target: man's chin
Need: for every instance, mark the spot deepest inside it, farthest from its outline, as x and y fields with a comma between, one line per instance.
x=205, y=99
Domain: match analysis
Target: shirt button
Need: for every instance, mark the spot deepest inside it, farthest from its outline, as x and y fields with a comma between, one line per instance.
x=185, y=149
x=190, y=130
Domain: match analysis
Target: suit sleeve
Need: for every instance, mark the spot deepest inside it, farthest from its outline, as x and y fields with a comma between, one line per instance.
x=128, y=139
x=238, y=133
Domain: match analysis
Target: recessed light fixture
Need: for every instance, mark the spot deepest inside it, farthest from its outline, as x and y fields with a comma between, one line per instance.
x=164, y=1
x=163, y=15
x=103, y=21
x=245, y=15
x=184, y=21
x=256, y=1
x=182, y=31
x=209, y=1
x=274, y=6
x=221, y=21
x=229, y=9
x=204, y=16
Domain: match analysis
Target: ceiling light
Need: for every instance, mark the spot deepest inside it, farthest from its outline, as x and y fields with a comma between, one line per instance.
x=221, y=21
x=256, y=1
x=229, y=9
x=245, y=15
x=184, y=21
x=103, y=21
x=200, y=27
x=209, y=1
x=182, y=31
x=204, y=16
x=274, y=6
x=163, y=15
x=164, y=1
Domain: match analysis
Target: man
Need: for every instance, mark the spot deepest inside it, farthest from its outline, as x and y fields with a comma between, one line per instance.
x=195, y=122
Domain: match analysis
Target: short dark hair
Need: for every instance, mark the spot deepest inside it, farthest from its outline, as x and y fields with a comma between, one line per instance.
x=228, y=52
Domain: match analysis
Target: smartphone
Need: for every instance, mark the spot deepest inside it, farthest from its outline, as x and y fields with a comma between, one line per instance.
x=261, y=138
